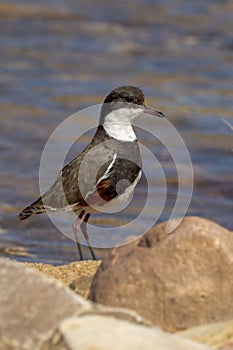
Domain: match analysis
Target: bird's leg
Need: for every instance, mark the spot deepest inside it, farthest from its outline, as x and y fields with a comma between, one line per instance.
x=83, y=227
x=76, y=233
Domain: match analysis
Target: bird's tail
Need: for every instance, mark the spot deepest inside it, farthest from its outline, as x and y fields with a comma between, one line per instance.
x=35, y=208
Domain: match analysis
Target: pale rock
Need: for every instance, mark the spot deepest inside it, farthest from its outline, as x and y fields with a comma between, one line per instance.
x=104, y=333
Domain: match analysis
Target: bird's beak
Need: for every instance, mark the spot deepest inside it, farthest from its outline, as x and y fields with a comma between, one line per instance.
x=148, y=110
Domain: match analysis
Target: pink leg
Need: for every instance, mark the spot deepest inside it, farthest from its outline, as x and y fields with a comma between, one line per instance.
x=76, y=234
x=83, y=227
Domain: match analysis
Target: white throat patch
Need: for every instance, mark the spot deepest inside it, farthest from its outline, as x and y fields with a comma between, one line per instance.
x=118, y=123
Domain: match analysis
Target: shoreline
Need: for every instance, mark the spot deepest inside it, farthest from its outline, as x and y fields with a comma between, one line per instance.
x=76, y=275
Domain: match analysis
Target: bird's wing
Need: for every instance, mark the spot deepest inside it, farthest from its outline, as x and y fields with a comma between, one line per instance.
x=96, y=171
x=120, y=175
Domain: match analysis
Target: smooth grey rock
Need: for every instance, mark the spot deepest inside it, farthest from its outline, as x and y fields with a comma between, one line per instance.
x=104, y=333
x=31, y=306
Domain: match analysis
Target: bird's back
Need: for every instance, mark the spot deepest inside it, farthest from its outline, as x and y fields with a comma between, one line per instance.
x=79, y=178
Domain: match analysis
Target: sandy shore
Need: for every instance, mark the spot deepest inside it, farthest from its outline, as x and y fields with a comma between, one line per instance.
x=77, y=275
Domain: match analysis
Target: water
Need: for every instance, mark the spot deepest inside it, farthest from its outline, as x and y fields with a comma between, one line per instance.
x=60, y=56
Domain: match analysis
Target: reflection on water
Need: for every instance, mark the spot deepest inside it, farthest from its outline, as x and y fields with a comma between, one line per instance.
x=59, y=57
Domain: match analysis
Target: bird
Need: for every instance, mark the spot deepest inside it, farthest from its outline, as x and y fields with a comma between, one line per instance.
x=106, y=172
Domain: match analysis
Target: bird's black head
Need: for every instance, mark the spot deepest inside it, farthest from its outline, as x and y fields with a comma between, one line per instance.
x=131, y=99
x=126, y=94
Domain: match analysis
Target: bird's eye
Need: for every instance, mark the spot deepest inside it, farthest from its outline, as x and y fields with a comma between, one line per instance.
x=128, y=99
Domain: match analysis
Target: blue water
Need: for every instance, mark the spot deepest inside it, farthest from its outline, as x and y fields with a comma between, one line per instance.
x=58, y=57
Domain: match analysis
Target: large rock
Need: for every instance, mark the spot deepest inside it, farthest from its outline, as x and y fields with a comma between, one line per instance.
x=31, y=306
x=177, y=280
